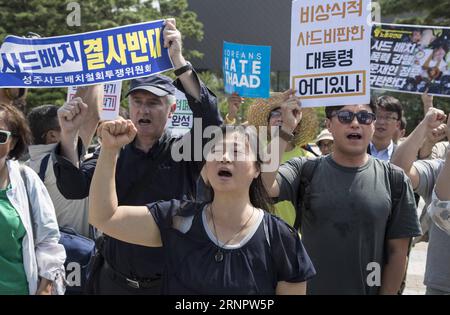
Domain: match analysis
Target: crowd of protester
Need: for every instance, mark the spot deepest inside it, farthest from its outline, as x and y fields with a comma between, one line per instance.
x=336, y=213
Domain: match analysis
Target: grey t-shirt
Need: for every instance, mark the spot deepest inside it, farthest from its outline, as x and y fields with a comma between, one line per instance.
x=344, y=231
x=437, y=274
x=439, y=150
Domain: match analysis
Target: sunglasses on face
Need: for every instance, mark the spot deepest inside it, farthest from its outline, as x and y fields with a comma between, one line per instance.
x=346, y=117
x=4, y=136
x=275, y=114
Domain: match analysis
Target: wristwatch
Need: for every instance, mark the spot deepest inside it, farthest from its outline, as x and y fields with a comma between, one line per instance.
x=286, y=136
x=183, y=69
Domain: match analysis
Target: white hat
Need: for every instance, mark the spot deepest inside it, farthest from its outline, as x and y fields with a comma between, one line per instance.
x=324, y=135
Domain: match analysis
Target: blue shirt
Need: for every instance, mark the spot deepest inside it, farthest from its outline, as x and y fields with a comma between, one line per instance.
x=384, y=155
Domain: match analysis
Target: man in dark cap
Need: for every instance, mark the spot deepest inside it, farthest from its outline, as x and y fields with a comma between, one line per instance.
x=146, y=171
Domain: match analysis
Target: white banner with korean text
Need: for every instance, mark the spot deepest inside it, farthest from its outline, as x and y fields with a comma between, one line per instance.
x=330, y=52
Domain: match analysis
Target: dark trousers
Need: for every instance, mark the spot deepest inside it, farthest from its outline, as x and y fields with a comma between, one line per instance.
x=107, y=284
x=103, y=280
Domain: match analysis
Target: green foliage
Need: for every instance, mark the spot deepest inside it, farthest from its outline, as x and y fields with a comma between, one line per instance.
x=48, y=18
x=421, y=12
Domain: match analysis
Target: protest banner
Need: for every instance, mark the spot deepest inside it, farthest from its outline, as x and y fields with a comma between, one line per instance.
x=330, y=52
x=182, y=119
x=246, y=69
x=111, y=100
x=411, y=59
x=110, y=55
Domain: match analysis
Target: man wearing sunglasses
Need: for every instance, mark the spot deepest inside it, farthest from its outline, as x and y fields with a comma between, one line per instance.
x=389, y=115
x=355, y=235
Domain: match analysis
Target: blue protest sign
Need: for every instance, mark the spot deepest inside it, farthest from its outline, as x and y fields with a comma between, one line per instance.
x=114, y=54
x=246, y=69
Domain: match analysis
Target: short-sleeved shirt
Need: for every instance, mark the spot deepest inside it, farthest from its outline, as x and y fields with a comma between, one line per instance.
x=13, y=279
x=437, y=270
x=385, y=154
x=285, y=209
x=349, y=219
x=143, y=177
x=269, y=253
x=439, y=150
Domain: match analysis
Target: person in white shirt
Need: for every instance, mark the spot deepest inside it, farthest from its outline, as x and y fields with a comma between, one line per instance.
x=46, y=134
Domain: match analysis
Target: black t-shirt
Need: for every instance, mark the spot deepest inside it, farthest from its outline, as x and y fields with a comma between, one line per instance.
x=271, y=252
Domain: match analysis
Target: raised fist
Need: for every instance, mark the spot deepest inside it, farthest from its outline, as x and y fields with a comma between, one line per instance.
x=72, y=114
x=115, y=134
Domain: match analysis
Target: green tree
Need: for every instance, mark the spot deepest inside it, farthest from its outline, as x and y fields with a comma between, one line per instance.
x=418, y=12
x=49, y=18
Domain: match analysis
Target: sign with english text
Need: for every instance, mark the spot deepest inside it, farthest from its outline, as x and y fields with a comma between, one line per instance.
x=246, y=70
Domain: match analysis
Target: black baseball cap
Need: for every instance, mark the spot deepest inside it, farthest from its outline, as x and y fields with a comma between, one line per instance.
x=158, y=84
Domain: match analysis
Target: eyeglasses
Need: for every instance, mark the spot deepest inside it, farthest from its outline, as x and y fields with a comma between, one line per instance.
x=4, y=136
x=387, y=118
x=323, y=144
x=274, y=114
x=363, y=117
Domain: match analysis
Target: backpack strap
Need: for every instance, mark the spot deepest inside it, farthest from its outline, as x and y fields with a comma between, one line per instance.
x=43, y=167
x=396, y=186
x=303, y=199
x=396, y=183
x=42, y=170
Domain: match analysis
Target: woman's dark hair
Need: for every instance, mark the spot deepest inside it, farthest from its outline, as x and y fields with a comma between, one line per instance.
x=258, y=194
x=18, y=126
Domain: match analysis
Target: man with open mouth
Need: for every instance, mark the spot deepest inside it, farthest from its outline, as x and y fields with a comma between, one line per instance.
x=146, y=171
x=356, y=213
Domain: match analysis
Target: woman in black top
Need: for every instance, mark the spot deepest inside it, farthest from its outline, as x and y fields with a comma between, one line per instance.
x=226, y=246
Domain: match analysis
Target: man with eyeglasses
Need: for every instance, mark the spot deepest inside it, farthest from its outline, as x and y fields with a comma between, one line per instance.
x=325, y=142
x=389, y=115
x=356, y=236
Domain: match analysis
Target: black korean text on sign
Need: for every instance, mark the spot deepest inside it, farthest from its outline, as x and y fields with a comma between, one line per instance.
x=323, y=85
x=329, y=59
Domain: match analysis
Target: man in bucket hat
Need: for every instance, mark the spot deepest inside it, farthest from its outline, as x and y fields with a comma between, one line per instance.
x=325, y=141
